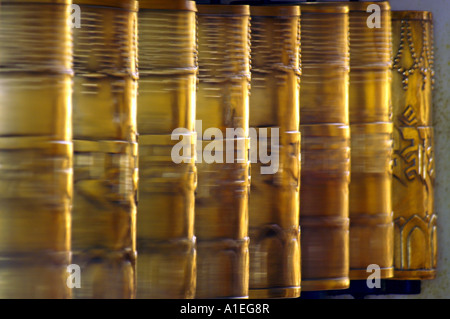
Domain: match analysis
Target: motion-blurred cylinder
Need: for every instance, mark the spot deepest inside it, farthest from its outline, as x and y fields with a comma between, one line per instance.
x=105, y=149
x=274, y=200
x=221, y=204
x=324, y=206
x=325, y=63
x=415, y=252
x=35, y=148
x=371, y=223
x=325, y=177
x=166, y=102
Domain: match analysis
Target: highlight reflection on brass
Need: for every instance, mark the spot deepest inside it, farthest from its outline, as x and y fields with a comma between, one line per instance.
x=324, y=201
x=371, y=223
x=415, y=253
x=168, y=74
x=274, y=199
x=324, y=206
x=35, y=149
x=105, y=149
x=325, y=63
x=221, y=204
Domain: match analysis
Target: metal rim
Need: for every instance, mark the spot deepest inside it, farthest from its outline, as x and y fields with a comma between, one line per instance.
x=181, y=5
x=324, y=7
x=381, y=127
x=362, y=6
x=219, y=9
x=36, y=1
x=122, y=4
x=275, y=11
x=411, y=15
x=325, y=130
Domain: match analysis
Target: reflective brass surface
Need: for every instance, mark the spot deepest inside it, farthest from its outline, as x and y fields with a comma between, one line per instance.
x=415, y=254
x=370, y=63
x=325, y=63
x=325, y=150
x=165, y=221
x=371, y=218
x=105, y=150
x=324, y=204
x=371, y=223
x=35, y=150
x=221, y=204
x=274, y=198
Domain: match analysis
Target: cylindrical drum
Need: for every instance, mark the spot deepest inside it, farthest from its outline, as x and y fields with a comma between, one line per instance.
x=221, y=204
x=325, y=63
x=166, y=266
x=105, y=149
x=324, y=202
x=274, y=200
x=35, y=149
x=370, y=64
x=371, y=224
x=415, y=252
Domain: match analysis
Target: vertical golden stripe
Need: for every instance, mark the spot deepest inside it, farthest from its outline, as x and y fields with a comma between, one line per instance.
x=221, y=204
x=35, y=149
x=324, y=206
x=274, y=199
x=371, y=222
x=167, y=92
x=415, y=253
x=105, y=149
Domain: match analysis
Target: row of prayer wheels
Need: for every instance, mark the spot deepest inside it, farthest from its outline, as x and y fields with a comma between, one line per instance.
x=175, y=150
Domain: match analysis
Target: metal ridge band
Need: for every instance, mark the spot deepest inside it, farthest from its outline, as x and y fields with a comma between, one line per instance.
x=131, y=5
x=183, y=5
x=242, y=10
x=274, y=11
x=411, y=15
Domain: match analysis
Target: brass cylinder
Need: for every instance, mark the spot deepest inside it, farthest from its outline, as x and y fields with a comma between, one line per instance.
x=221, y=204
x=371, y=223
x=325, y=63
x=168, y=74
x=325, y=150
x=371, y=220
x=370, y=65
x=415, y=235
x=324, y=203
x=105, y=149
x=35, y=149
x=274, y=201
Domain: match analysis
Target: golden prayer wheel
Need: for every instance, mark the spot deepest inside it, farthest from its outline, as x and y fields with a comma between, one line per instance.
x=105, y=149
x=221, y=204
x=371, y=224
x=325, y=63
x=35, y=149
x=370, y=63
x=324, y=203
x=166, y=102
x=415, y=234
x=324, y=118
x=274, y=200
